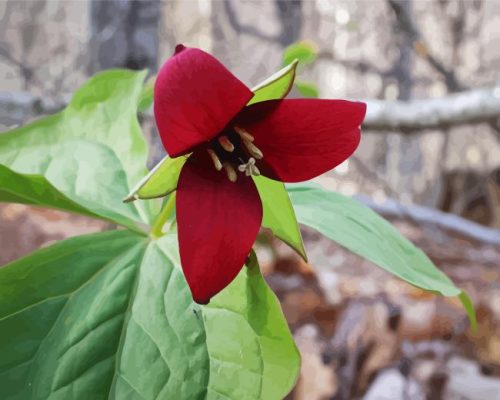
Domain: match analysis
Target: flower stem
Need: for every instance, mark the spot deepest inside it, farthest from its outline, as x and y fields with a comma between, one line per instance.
x=156, y=228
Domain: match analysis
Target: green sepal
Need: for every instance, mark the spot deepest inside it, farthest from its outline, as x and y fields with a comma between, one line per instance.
x=163, y=178
x=278, y=213
x=277, y=86
x=160, y=181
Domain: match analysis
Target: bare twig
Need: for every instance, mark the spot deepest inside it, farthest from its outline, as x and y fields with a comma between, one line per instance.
x=247, y=29
x=402, y=10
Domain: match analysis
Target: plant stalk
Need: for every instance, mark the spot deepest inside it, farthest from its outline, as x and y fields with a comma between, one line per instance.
x=166, y=212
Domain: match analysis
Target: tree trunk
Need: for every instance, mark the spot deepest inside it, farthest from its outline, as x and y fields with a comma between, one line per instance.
x=124, y=34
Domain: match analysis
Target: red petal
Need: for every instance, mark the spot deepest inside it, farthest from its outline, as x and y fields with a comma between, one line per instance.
x=303, y=138
x=195, y=98
x=218, y=222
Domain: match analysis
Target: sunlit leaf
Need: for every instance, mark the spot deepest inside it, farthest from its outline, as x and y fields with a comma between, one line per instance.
x=109, y=316
x=95, y=142
x=35, y=190
x=279, y=215
x=262, y=357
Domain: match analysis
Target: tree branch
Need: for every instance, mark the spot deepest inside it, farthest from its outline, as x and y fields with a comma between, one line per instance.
x=473, y=106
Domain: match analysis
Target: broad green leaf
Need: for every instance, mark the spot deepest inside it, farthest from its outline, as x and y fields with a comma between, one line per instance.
x=101, y=117
x=266, y=365
x=35, y=190
x=277, y=85
x=62, y=310
x=279, y=215
x=160, y=181
x=304, y=51
x=365, y=233
x=147, y=94
x=70, y=182
x=307, y=89
x=109, y=316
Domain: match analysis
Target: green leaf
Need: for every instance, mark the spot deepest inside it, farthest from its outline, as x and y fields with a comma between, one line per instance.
x=160, y=181
x=72, y=183
x=35, y=190
x=109, y=316
x=307, y=89
x=469, y=308
x=304, y=51
x=276, y=86
x=91, y=151
x=147, y=94
x=61, y=314
x=365, y=233
x=266, y=363
x=279, y=215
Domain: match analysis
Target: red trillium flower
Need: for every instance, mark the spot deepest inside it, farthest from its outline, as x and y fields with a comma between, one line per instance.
x=201, y=110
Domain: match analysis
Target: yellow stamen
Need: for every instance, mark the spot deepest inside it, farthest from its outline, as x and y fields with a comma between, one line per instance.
x=215, y=159
x=253, y=150
x=230, y=172
x=244, y=135
x=226, y=144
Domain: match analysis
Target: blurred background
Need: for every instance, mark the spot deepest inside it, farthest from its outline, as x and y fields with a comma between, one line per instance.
x=429, y=161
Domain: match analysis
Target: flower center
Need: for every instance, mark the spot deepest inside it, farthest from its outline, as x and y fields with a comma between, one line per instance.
x=234, y=150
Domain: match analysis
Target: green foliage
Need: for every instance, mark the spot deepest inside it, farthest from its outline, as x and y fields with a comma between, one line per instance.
x=147, y=94
x=35, y=190
x=304, y=51
x=92, y=151
x=307, y=89
x=364, y=232
x=110, y=315
x=264, y=367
